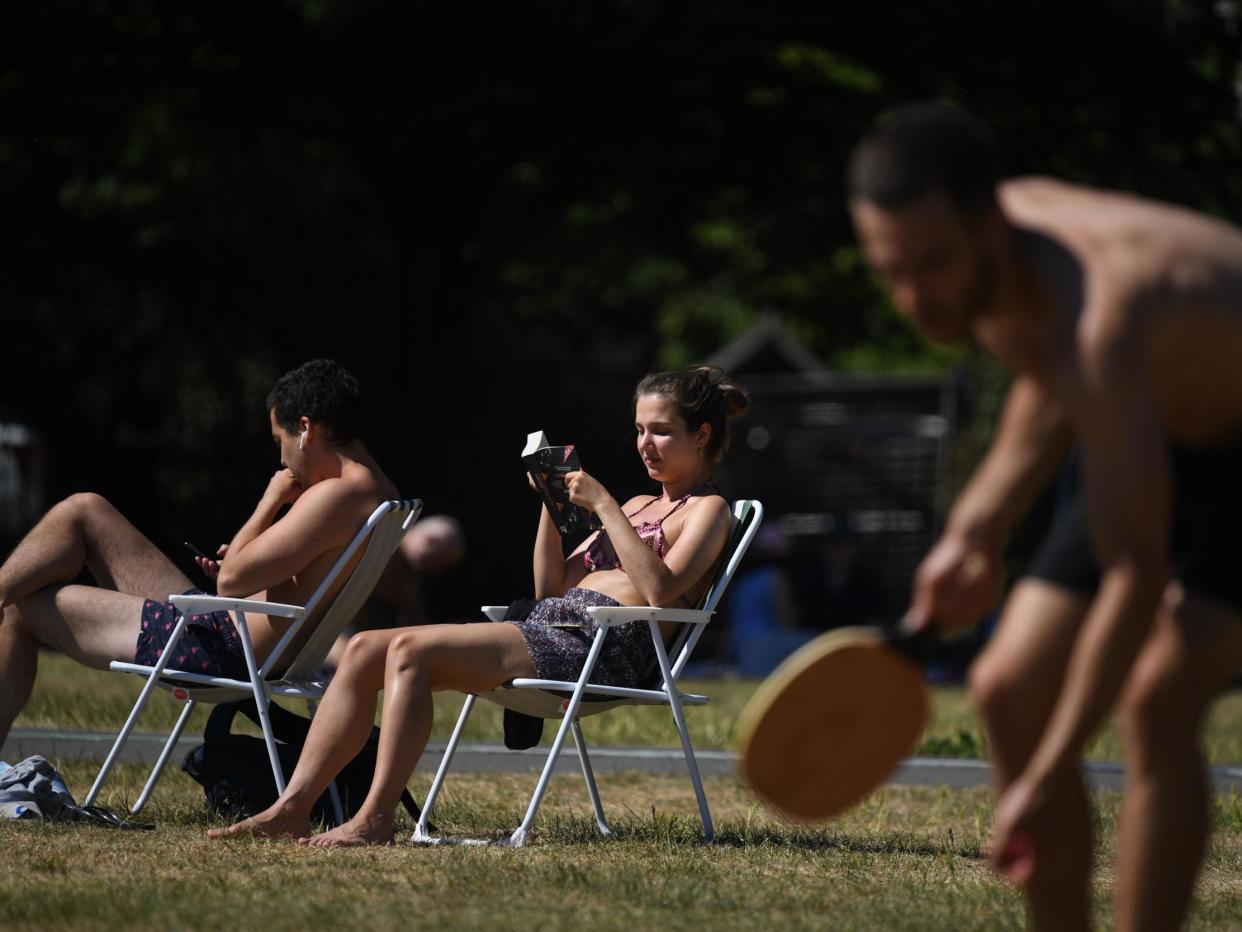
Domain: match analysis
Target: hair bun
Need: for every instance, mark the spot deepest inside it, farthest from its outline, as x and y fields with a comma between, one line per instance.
x=733, y=398
x=736, y=400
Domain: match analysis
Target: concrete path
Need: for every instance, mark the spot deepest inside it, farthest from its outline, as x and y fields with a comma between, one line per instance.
x=495, y=758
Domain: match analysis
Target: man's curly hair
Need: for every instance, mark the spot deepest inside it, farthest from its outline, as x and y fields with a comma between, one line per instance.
x=326, y=393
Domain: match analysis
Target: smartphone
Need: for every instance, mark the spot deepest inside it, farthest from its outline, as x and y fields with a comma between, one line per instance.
x=198, y=553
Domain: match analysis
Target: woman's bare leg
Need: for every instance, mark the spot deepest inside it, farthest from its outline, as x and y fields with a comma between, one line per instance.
x=468, y=658
x=340, y=728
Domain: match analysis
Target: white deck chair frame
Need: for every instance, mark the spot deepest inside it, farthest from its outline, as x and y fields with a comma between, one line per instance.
x=301, y=679
x=546, y=699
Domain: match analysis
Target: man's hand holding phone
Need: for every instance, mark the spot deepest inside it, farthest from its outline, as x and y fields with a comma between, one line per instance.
x=209, y=565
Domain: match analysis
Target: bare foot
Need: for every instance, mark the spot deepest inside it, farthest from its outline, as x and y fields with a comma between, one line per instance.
x=360, y=830
x=274, y=822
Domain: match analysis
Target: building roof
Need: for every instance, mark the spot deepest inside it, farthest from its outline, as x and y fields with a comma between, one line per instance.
x=767, y=348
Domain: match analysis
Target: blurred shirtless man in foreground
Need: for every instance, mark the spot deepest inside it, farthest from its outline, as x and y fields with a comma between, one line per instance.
x=1121, y=319
x=331, y=485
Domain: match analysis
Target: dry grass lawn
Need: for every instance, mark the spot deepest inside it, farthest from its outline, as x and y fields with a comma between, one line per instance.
x=908, y=858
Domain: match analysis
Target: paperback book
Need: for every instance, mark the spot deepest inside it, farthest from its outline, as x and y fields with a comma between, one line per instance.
x=548, y=466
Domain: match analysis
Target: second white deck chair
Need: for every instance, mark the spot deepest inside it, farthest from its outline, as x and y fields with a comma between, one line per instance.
x=565, y=700
x=302, y=677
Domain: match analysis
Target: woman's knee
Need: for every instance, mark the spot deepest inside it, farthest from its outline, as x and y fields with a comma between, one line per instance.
x=364, y=651
x=408, y=651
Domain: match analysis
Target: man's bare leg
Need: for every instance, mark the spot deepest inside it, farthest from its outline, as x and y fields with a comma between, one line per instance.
x=86, y=532
x=82, y=532
x=93, y=626
x=1193, y=653
x=423, y=660
x=1015, y=682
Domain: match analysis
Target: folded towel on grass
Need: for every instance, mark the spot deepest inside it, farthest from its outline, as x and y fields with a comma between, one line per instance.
x=34, y=789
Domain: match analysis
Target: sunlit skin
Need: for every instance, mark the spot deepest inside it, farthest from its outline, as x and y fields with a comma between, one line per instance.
x=410, y=664
x=308, y=512
x=1122, y=321
x=673, y=455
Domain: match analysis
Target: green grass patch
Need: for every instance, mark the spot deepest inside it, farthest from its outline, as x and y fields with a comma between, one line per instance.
x=69, y=697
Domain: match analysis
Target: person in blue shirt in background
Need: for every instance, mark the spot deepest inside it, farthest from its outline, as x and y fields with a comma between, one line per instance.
x=764, y=614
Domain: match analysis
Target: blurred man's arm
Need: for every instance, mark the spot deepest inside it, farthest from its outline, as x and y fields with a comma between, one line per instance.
x=1128, y=495
x=960, y=578
x=1129, y=501
x=1031, y=440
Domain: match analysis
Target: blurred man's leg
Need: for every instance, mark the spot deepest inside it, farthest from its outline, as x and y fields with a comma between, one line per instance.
x=1194, y=652
x=1015, y=683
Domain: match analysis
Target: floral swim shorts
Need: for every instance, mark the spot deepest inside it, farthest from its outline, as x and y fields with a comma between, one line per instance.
x=559, y=631
x=209, y=645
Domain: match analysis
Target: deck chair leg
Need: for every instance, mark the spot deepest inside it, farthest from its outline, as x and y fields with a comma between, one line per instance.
x=147, y=688
x=692, y=764
x=589, y=775
x=261, y=700
x=518, y=838
x=420, y=830
x=338, y=811
x=164, y=755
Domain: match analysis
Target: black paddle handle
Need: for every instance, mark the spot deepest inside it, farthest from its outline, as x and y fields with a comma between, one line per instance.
x=919, y=646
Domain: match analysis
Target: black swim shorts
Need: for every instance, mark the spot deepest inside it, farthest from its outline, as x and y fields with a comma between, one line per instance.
x=1207, y=519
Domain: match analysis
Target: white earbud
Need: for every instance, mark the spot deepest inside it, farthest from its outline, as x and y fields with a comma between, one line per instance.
x=302, y=441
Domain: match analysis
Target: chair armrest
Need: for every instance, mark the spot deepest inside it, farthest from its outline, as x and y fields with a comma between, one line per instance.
x=202, y=604
x=494, y=612
x=609, y=616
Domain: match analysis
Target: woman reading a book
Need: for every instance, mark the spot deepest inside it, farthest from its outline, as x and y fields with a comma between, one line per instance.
x=652, y=550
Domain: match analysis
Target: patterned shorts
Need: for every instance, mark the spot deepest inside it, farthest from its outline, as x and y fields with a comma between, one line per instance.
x=559, y=631
x=209, y=645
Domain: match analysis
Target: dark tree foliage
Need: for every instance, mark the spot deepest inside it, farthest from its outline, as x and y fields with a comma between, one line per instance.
x=499, y=216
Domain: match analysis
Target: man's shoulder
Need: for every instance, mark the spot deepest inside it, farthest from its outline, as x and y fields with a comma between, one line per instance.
x=1068, y=211
x=342, y=498
x=1027, y=184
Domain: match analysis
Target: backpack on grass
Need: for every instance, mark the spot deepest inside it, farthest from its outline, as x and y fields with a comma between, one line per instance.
x=236, y=775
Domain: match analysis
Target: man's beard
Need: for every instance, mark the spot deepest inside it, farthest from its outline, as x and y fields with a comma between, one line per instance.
x=981, y=295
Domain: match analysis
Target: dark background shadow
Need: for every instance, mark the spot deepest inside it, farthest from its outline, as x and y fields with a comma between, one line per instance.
x=498, y=217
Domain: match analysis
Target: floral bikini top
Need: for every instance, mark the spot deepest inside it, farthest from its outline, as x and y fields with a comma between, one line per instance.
x=601, y=555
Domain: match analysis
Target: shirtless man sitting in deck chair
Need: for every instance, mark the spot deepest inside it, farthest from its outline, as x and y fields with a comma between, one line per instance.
x=331, y=485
